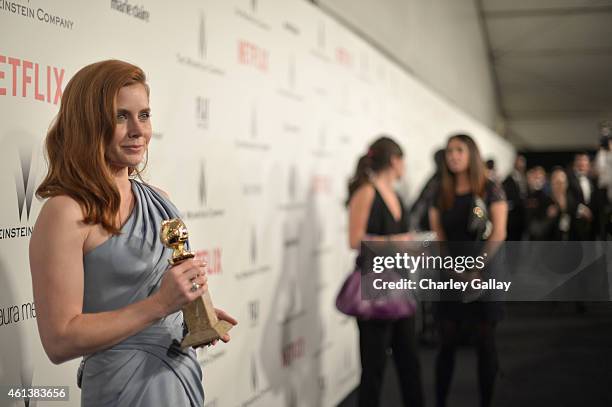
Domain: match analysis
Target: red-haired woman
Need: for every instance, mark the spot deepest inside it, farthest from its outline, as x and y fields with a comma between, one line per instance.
x=102, y=286
x=463, y=180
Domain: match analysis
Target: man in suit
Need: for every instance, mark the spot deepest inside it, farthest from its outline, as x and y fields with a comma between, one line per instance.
x=603, y=169
x=583, y=190
x=516, y=189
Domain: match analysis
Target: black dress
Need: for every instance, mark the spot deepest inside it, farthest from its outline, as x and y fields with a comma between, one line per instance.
x=382, y=223
x=377, y=335
x=454, y=223
x=481, y=316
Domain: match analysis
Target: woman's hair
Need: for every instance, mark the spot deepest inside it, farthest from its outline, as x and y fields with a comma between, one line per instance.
x=77, y=140
x=377, y=158
x=558, y=169
x=476, y=173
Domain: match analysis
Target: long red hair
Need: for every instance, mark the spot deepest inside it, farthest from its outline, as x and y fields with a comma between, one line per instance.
x=78, y=137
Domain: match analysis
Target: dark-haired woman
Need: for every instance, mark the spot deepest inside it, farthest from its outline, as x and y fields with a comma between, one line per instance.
x=376, y=214
x=463, y=179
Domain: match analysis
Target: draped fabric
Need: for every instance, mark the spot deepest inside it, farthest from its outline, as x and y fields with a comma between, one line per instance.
x=148, y=368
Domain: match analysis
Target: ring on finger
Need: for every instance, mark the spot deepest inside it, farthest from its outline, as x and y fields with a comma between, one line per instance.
x=194, y=286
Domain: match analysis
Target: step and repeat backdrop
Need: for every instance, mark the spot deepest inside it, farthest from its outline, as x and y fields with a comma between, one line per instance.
x=260, y=111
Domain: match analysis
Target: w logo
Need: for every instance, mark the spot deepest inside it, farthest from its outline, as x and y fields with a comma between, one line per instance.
x=25, y=186
x=202, y=185
x=253, y=245
x=202, y=36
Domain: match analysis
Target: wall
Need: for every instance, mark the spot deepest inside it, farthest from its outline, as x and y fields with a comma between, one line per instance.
x=439, y=41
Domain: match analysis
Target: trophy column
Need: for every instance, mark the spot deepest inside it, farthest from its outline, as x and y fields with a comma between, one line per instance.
x=203, y=326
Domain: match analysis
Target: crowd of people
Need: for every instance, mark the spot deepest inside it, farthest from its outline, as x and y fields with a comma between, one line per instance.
x=376, y=214
x=565, y=204
x=571, y=203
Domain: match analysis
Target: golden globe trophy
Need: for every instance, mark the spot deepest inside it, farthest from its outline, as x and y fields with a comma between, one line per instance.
x=203, y=326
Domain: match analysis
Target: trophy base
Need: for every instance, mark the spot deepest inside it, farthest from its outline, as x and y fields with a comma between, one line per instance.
x=206, y=336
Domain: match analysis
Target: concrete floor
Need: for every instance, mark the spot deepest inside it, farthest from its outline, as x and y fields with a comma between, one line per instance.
x=550, y=355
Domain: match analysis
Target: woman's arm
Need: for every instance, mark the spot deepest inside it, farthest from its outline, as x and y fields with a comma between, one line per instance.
x=499, y=217
x=499, y=220
x=56, y=264
x=359, y=211
x=435, y=224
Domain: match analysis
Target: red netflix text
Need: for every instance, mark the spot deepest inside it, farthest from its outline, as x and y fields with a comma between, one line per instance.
x=252, y=55
x=27, y=79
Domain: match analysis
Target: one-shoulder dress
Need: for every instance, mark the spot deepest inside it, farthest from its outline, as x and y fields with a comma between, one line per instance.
x=148, y=368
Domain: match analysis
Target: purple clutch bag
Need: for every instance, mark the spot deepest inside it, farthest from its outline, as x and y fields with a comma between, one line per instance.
x=349, y=301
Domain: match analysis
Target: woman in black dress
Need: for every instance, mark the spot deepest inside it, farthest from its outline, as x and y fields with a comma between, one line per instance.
x=376, y=213
x=463, y=179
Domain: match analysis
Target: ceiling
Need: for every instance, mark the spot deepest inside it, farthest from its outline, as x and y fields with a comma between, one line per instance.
x=552, y=63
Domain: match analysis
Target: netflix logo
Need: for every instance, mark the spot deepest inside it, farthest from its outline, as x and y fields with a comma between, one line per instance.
x=253, y=55
x=321, y=184
x=293, y=351
x=344, y=57
x=20, y=77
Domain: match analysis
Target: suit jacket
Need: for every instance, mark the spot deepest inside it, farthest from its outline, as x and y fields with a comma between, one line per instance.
x=516, y=209
x=585, y=230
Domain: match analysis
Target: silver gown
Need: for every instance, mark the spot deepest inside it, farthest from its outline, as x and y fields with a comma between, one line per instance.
x=148, y=368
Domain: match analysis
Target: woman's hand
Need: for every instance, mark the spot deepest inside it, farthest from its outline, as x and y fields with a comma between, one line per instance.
x=402, y=237
x=223, y=316
x=176, y=289
x=552, y=211
x=584, y=213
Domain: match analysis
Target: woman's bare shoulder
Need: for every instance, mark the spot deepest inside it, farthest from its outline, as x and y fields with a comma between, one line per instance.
x=62, y=205
x=59, y=230
x=365, y=192
x=61, y=211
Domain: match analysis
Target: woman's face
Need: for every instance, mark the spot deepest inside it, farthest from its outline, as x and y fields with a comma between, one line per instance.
x=397, y=163
x=457, y=156
x=133, y=131
x=558, y=181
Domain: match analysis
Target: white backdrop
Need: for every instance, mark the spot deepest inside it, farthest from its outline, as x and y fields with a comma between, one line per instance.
x=260, y=110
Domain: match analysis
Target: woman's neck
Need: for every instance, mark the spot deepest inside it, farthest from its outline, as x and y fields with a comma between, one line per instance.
x=462, y=183
x=384, y=178
x=122, y=181
x=558, y=195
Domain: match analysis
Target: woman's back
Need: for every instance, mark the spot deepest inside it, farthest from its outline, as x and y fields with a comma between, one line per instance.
x=381, y=221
